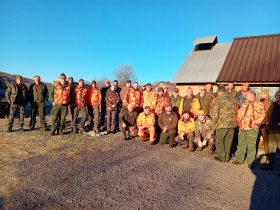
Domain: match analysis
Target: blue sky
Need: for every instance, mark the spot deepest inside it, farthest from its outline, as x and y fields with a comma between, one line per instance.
x=89, y=39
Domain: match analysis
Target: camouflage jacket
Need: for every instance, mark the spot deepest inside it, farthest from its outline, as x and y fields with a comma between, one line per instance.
x=129, y=118
x=224, y=111
x=203, y=133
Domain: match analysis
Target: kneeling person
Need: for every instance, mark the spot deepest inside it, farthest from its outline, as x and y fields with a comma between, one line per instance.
x=204, y=132
x=167, y=121
x=146, y=124
x=186, y=131
x=128, y=122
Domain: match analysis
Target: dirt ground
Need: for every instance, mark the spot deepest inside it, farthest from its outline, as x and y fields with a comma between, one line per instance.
x=82, y=172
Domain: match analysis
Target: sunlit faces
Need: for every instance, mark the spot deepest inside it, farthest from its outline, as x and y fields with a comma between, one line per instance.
x=186, y=116
x=168, y=108
x=81, y=83
x=19, y=81
x=250, y=96
x=245, y=88
x=175, y=94
x=277, y=96
x=160, y=93
x=189, y=92
x=147, y=111
x=62, y=80
x=201, y=118
x=135, y=85
x=230, y=86
x=148, y=88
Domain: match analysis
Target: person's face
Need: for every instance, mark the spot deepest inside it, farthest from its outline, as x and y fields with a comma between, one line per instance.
x=135, y=85
x=36, y=80
x=127, y=84
x=201, y=118
x=116, y=84
x=130, y=108
x=113, y=87
x=143, y=88
x=160, y=93
x=250, y=97
x=277, y=96
x=147, y=111
x=244, y=88
x=93, y=85
x=148, y=88
x=70, y=81
x=230, y=86
x=189, y=93
x=202, y=90
x=168, y=108
x=62, y=81
x=107, y=84
x=81, y=84
x=19, y=81
x=263, y=96
x=186, y=116
x=175, y=94
x=207, y=88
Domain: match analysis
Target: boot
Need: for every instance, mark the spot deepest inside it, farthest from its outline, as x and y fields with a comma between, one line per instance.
x=31, y=127
x=9, y=129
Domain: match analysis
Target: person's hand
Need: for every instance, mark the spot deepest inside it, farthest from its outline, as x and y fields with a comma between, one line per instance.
x=113, y=106
x=164, y=129
x=199, y=144
x=53, y=103
x=182, y=135
x=123, y=125
x=204, y=143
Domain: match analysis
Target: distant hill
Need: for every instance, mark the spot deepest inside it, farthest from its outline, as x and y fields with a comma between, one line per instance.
x=10, y=78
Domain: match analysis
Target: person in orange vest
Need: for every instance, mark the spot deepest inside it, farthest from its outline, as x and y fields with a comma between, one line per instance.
x=149, y=97
x=93, y=103
x=189, y=102
x=59, y=96
x=134, y=97
x=80, y=100
x=161, y=102
x=186, y=131
x=146, y=125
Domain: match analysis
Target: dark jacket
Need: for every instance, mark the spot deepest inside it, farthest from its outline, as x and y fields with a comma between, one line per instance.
x=41, y=96
x=169, y=120
x=12, y=93
x=103, y=93
x=129, y=118
x=275, y=118
x=112, y=98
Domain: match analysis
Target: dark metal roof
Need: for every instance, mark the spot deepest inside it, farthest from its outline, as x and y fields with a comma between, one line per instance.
x=252, y=59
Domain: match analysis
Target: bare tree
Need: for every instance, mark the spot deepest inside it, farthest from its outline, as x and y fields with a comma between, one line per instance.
x=100, y=82
x=125, y=72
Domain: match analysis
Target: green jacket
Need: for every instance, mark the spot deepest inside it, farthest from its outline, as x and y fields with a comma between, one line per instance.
x=205, y=102
x=40, y=96
x=199, y=135
x=175, y=103
x=224, y=111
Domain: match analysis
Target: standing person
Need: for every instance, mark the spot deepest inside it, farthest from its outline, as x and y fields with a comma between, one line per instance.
x=38, y=96
x=264, y=98
x=128, y=122
x=93, y=102
x=205, y=100
x=146, y=125
x=123, y=94
x=112, y=101
x=103, y=102
x=241, y=94
x=231, y=90
x=149, y=97
x=168, y=121
x=175, y=100
x=118, y=90
x=209, y=89
x=273, y=132
x=165, y=90
x=190, y=102
x=80, y=100
x=72, y=106
x=59, y=96
x=186, y=131
x=134, y=97
x=161, y=101
x=224, y=115
x=249, y=118
x=204, y=132
x=17, y=96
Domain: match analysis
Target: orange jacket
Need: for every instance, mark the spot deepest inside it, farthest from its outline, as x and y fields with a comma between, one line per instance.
x=161, y=103
x=251, y=115
x=149, y=99
x=195, y=106
x=80, y=96
x=134, y=97
x=61, y=95
x=185, y=127
x=94, y=96
x=146, y=120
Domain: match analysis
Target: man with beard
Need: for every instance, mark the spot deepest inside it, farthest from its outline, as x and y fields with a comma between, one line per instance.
x=128, y=124
x=190, y=102
x=231, y=90
x=149, y=97
x=175, y=100
x=161, y=102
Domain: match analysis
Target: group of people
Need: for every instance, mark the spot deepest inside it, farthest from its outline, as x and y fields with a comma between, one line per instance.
x=205, y=120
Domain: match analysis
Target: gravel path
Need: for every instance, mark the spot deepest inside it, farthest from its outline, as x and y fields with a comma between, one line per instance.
x=108, y=173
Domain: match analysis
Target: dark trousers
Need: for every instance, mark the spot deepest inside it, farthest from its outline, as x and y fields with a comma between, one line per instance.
x=168, y=137
x=273, y=143
x=265, y=138
x=76, y=114
x=35, y=108
x=188, y=139
x=126, y=129
x=72, y=108
x=93, y=113
x=13, y=110
x=59, y=111
x=111, y=120
x=224, y=138
x=103, y=113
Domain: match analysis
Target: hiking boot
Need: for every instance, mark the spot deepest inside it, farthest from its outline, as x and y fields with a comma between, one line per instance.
x=96, y=131
x=81, y=130
x=9, y=129
x=191, y=149
x=236, y=162
x=21, y=129
x=198, y=148
x=267, y=167
x=60, y=133
x=218, y=159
